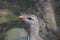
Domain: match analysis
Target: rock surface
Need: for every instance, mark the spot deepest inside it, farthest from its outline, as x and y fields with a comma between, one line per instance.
x=16, y=34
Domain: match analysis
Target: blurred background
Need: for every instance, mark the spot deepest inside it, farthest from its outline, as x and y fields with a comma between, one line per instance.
x=11, y=9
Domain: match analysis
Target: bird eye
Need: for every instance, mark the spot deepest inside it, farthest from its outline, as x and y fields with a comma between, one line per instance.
x=29, y=18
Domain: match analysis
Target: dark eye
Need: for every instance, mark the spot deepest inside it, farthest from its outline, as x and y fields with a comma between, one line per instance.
x=29, y=18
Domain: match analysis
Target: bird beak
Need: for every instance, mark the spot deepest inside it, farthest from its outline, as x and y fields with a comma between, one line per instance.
x=21, y=17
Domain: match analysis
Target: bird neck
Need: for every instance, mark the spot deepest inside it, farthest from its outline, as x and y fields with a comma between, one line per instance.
x=34, y=31
x=34, y=28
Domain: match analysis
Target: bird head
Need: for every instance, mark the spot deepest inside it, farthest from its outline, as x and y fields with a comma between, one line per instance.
x=31, y=19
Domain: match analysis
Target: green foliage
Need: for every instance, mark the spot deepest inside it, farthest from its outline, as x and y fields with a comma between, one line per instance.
x=13, y=17
x=25, y=3
x=15, y=0
x=2, y=35
x=16, y=10
x=29, y=3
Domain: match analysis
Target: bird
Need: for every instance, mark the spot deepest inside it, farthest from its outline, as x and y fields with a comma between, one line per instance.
x=33, y=22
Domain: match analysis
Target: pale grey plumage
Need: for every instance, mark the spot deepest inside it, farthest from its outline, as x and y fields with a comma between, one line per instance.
x=32, y=20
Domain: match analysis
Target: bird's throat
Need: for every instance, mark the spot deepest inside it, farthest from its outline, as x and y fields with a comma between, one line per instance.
x=34, y=32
